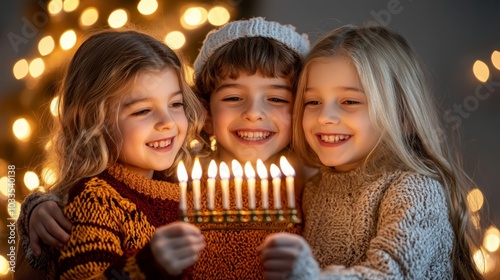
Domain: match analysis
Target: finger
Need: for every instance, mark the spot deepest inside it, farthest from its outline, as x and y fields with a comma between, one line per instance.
x=47, y=238
x=185, y=252
x=179, y=242
x=35, y=243
x=277, y=265
x=284, y=253
x=61, y=220
x=179, y=229
x=54, y=229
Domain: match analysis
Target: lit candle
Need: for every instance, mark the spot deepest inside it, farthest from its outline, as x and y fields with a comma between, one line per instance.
x=276, y=174
x=182, y=176
x=224, y=182
x=196, y=176
x=261, y=169
x=212, y=173
x=250, y=175
x=238, y=179
x=289, y=173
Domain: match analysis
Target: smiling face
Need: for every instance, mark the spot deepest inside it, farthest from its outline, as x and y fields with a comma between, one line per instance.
x=251, y=117
x=152, y=122
x=336, y=122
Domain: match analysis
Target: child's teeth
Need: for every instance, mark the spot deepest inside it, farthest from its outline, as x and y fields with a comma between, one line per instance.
x=253, y=135
x=334, y=138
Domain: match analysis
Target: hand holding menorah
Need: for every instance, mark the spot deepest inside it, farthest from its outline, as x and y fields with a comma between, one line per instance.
x=263, y=216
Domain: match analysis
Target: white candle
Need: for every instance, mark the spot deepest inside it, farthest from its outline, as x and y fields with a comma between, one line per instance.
x=250, y=175
x=212, y=173
x=261, y=169
x=238, y=179
x=289, y=173
x=182, y=176
x=276, y=174
x=224, y=182
x=196, y=176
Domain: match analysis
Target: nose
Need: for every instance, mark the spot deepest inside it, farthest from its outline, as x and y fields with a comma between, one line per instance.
x=164, y=121
x=254, y=111
x=329, y=115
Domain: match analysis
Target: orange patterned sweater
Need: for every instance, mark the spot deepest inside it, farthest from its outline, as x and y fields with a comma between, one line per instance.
x=114, y=215
x=232, y=254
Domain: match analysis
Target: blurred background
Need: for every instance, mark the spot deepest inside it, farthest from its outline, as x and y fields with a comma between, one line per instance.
x=458, y=40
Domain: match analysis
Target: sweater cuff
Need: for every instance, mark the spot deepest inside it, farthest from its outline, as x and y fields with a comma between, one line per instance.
x=34, y=199
x=305, y=267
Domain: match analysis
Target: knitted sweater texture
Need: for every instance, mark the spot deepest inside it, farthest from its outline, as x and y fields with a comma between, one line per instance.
x=232, y=254
x=113, y=222
x=393, y=226
x=229, y=254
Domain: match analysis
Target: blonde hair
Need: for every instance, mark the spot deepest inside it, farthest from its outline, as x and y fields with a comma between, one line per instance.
x=85, y=137
x=401, y=106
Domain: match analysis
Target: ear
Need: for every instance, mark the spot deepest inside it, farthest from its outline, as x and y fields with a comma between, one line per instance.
x=209, y=127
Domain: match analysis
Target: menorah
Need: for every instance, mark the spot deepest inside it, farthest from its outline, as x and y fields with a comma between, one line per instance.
x=239, y=218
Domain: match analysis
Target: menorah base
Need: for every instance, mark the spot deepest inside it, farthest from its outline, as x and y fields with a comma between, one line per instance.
x=243, y=219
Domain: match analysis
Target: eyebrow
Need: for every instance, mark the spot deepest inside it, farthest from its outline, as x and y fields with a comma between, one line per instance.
x=341, y=88
x=235, y=85
x=133, y=101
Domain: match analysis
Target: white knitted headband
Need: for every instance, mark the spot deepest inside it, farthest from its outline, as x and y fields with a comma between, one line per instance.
x=255, y=27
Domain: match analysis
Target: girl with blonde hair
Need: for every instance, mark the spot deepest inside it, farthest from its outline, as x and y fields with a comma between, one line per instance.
x=389, y=201
x=126, y=113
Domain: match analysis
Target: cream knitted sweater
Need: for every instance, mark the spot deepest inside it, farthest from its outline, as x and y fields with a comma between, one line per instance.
x=393, y=226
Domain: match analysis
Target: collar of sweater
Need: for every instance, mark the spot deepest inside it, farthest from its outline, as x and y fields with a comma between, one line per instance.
x=141, y=184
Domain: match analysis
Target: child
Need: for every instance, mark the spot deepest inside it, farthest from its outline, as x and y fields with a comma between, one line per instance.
x=126, y=112
x=389, y=201
x=246, y=73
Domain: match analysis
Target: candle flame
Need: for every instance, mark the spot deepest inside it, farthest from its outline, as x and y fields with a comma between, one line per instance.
x=224, y=171
x=237, y=169
x=261, y=169
x=182, y=174
x=249, y=172
x=275, y=171
x=212, y=169
x=196, y=173
x=286, y=167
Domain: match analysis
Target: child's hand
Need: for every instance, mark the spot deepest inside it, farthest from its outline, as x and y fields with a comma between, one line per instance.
x=47, y=224
x=279, y=253
x=176, y=246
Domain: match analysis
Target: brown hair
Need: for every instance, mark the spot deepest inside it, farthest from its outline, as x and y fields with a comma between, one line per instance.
x=86, y=138
x=249, y=55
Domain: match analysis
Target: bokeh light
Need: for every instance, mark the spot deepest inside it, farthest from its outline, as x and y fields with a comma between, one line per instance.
x=54, y=106
x=70, y=5
x=48, y=176
x=491, y=240
x=175, y=40
x=218, y=16
x=495, y=59
x=147, y=7
x=37, y=66
x=89, y=16
x=118, y=18
x=21, y=69
x=193, y=17
x=68, y=39
x=4, y=185
x=4, y=265
x=475, y=200
x=31, y=180
x=21, y=129
x=46, y=45
x=481, y=71
x=55, y=6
